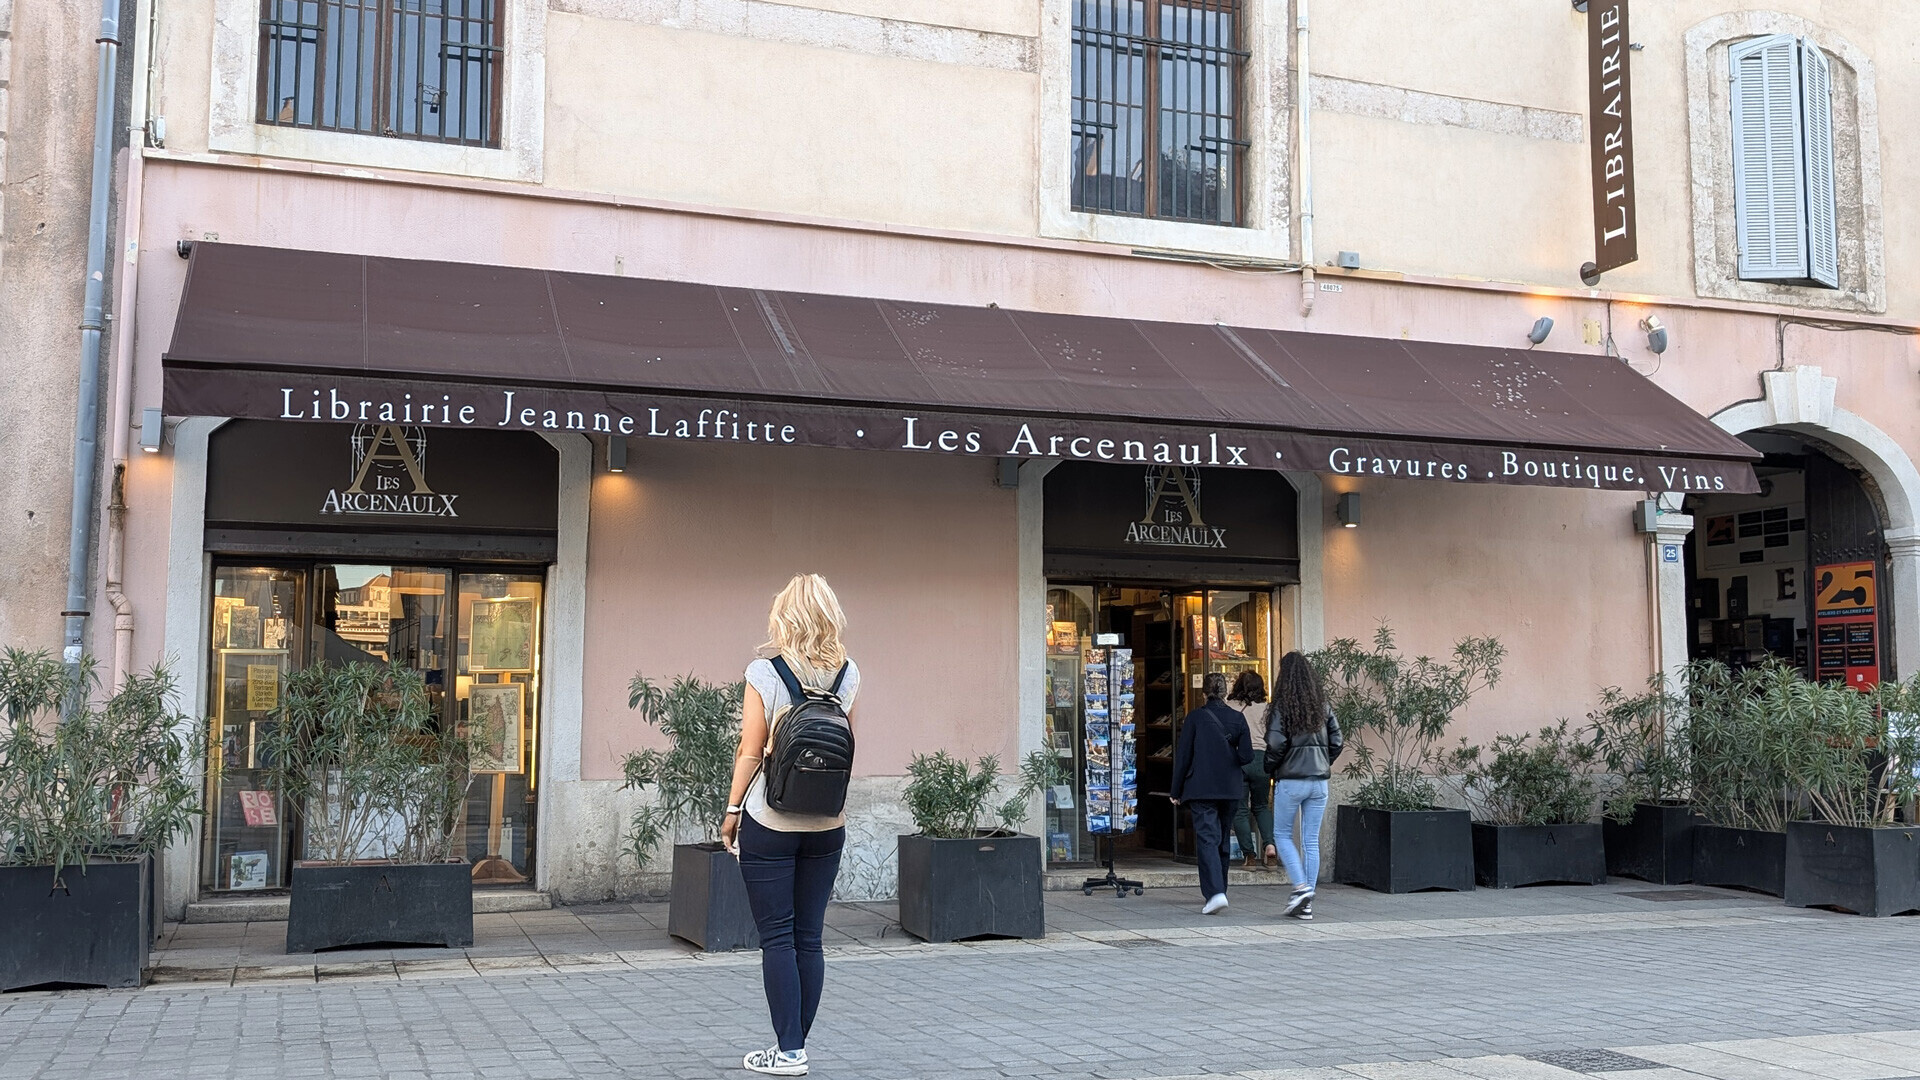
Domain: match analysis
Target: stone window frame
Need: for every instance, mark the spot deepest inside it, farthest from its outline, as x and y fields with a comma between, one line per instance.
x=1266, y=229
x=1856, y=132
x=232, y=126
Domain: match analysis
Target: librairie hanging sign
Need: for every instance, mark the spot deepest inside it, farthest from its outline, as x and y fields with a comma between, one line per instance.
x=326, y=399
x=1610, y=133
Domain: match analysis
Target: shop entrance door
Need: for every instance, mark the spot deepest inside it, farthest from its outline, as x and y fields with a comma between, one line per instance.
x=1176, y=634
x=472, y=633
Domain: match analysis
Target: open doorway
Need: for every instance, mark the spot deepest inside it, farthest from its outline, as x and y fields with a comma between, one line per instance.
x=1792, y=573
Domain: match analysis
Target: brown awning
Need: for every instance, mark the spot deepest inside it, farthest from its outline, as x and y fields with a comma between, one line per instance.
x=300, y=335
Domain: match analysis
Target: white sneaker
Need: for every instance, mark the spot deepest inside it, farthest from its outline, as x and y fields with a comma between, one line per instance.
x=1300, y=905
x=1217, y=902
x=774, y=1061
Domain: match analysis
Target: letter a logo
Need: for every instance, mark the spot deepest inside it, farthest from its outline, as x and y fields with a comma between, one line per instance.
x=1166, y=482
x=374, y=444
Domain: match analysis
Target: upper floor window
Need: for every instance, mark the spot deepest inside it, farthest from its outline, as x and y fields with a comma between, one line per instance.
x=411, y=69
x=1157, y=109
x=1783, y=171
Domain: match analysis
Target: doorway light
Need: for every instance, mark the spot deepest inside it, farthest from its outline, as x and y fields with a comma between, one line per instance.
x=616, y=454
x=152, y=430
x=1347, y=508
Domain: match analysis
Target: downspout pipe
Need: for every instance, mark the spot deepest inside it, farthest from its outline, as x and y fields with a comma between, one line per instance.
x=86, y=441
x=1303, y=111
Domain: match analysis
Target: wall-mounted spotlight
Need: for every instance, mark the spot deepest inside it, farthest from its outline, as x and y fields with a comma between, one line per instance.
x=1347, y=509
x=616, y=453
x=1542, y=326
x=152, y=430
x=1656, y=333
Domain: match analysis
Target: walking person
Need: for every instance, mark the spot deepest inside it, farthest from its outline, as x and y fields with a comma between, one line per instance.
x=1209, y=777
x=1303, y=740
x=789, y=859
x=1249, y=695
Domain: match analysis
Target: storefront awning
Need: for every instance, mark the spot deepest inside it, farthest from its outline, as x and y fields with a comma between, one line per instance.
x=299, y=335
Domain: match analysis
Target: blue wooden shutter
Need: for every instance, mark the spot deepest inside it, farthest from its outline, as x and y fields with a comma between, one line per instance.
x=1816, y=101
x=1769, y=174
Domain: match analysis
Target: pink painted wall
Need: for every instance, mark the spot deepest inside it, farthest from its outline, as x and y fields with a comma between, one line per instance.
x=1558, y=576
x=686, y=550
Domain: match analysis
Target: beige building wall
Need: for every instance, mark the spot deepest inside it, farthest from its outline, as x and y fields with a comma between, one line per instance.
x=47, y=69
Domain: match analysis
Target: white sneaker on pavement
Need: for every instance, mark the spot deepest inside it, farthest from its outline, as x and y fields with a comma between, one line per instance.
x=1216, y=902
x=1300, y=905
x=774, y=1061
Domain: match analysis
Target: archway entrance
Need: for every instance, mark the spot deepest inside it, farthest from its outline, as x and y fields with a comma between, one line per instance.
x=1793, y=573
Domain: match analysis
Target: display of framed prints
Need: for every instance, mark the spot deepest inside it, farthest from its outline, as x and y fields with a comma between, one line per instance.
x=494, y=713
x=502, y=635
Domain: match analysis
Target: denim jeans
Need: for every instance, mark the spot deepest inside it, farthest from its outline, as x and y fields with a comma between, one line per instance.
x=1256, y=810
x=1309, y=798
x=789, y=879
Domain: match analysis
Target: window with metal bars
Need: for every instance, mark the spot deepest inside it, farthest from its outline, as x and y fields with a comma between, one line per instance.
x=411, y=69
x=1156, y=109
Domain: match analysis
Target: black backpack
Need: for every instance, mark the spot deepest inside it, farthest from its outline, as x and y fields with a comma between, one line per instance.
x=810, y=762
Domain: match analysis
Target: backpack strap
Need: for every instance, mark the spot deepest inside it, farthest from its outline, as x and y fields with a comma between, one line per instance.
x=840, y=678
x=795, y=692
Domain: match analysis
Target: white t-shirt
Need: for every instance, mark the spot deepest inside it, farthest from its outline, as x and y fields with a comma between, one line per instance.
x=773, y=693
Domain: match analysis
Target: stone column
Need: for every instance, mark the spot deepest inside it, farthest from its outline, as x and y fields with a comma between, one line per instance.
x=1669, y=553
x=1900, y=595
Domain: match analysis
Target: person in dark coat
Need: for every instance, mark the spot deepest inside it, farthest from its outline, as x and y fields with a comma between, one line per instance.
x=1209, y=778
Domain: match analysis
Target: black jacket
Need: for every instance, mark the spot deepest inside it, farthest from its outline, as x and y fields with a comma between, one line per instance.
x=1301, y=757
x=1214, y=748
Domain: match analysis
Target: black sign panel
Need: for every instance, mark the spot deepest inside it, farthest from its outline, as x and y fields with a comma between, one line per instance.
x=1170, y=514
x=381, y=477
x=1610, y=131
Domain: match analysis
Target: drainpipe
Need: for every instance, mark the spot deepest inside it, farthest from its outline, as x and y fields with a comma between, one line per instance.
x=127, y=286
x=86, y=443
x=1303, y=111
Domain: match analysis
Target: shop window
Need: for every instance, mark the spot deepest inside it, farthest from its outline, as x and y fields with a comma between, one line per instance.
x=473, y=636
x=1783, y=164
x=1157, y=109
x=427, y=70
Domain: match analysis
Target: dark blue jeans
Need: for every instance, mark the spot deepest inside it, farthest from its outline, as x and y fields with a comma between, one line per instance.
x=789, y=880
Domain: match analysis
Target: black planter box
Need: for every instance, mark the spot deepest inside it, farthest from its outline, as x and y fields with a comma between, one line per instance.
x=1656, y=845
x=1508, y=856
x=709, y=901
x=990, y=886
x=1740, y=859
x=1865, y=871
x=90, y=929
x=1397, y=851
x=333, y=906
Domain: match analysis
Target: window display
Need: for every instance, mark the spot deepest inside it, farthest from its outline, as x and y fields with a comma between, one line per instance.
x=475, y=639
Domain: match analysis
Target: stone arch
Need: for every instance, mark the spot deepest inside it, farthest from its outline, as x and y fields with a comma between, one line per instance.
x=1800, y=399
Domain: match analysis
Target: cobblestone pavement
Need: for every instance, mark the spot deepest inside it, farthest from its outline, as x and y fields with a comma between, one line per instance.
x=1142, y=987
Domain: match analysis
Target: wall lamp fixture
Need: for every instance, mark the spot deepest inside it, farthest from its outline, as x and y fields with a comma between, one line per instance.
x=152, y=430
x=616, y=454
x=1656, y=333
x=1542, y=326
x=1347, y=509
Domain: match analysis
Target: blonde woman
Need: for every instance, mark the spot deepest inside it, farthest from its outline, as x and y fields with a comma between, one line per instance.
x=789, y=861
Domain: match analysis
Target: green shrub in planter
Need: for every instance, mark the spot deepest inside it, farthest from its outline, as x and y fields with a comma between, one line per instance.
x=690, y=781
x=1642, y=740
x=967, y=873
x=90, y=790
x=1531, y=797
x=1853, y=756
x=1738, y=746
x=1393, y=712
x=379, y=781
